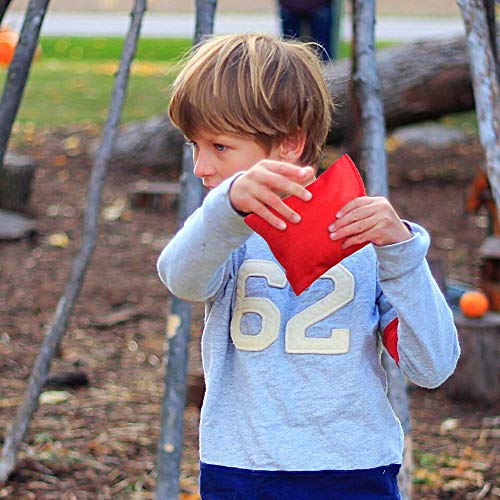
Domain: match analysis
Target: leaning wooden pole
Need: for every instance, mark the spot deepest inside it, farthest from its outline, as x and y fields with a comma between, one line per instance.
x=374, y=163
x=19, y=69
x=4, y=5
x=80, y=264
x=486, y=87
x=179, y=318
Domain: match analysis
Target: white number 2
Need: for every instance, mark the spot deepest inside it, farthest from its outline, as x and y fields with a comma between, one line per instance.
x=296, y=341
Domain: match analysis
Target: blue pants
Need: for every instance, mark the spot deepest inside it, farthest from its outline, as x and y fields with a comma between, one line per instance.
x=318, y=23
x=224, y=483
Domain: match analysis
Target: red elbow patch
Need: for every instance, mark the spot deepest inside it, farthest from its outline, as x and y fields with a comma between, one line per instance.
x=390, y=339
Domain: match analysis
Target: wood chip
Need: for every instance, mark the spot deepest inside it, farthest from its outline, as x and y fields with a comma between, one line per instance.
x=116, y=317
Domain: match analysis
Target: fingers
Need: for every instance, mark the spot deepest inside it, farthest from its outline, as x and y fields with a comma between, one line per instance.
x=356, y=211
x=262, y=188
x=284, y=178
x=262, y=203
x=368, y=219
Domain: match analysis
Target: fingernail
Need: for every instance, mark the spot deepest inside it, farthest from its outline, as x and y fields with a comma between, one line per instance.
x=331, y=228
x=282, y=226
x=338, y=215
x=296, y=218
x=332, y=236
x=308, y=195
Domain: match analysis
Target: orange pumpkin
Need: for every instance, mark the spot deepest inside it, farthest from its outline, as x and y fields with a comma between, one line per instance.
x=8, y=42
x=474, y=304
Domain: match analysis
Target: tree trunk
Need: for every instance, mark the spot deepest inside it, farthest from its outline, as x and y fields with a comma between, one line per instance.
x=4, y=5
x=418, y=81
x=19, y=68
x=80, y=264
x=489, y=7
x=367, y=94
x=477, y=377
x=485, y=82
x=154, y=142
x=368, y=101
x=15, y=182
x=179, y=318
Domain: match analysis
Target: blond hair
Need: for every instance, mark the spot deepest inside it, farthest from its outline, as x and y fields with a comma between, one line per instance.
x=255, y=86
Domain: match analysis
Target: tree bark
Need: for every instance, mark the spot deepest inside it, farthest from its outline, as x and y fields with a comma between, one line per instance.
x=489, y=7
x=374, y=163
x=367, y=90
x=80, y=264
x=418, y=81
x=4, y=5
x=19, y=68
x=485, y=83
x=15, y=182
x=179, y=318
x=477, y=377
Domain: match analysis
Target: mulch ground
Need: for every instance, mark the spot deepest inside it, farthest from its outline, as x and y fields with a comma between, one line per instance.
x=100, y=441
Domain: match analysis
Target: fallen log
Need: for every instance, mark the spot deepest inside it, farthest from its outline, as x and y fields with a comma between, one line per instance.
x=419, y=81
x=15, y=226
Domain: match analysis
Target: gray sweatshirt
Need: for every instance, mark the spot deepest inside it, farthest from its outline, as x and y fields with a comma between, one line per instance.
x=295, y=382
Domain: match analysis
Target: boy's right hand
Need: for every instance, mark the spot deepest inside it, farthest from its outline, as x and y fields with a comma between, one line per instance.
x=264, y=185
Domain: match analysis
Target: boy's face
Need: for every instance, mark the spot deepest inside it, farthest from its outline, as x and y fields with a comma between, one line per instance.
x=219, y=156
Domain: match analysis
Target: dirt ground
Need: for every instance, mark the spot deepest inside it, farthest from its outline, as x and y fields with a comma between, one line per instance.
x=100, y=441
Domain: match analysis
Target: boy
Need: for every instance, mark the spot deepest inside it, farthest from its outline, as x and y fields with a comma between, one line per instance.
x=278, y=425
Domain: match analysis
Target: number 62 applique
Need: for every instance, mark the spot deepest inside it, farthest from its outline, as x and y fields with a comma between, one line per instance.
x=296, y=341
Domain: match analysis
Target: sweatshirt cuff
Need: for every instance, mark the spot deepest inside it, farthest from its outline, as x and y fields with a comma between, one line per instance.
x=221, y=214
x=401, y=258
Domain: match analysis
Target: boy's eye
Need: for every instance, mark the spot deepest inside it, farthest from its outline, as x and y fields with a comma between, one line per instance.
x=220, y=147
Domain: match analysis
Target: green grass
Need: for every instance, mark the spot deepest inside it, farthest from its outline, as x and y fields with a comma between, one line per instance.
x=99, y=49
x=60, y=93
x=149, y=49
x=72, y=80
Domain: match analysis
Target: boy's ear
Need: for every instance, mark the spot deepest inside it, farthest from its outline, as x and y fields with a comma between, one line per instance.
x=292, y=147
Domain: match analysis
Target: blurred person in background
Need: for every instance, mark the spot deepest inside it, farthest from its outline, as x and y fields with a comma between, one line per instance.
x=316, y=20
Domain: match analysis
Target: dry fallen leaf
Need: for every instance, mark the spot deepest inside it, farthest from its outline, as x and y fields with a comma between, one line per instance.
x=59, y=240
x=53, y=397
x=115, y=211
x=450, y=424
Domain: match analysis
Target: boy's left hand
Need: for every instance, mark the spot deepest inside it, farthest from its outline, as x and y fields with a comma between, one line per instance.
x=368, y=219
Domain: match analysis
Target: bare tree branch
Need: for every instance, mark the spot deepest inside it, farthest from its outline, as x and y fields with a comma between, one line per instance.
x=486, y=87
x=205, y=15
x=80, y=264
x=19, y=68
x=367, y=89
x=374, y=163
x=4, y=5
x=179, y=318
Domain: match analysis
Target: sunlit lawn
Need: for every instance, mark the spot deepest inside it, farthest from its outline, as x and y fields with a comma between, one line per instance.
x=72, y=80
x=59, y=93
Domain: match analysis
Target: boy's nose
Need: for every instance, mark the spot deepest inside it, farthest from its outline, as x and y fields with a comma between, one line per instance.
x=202, y=167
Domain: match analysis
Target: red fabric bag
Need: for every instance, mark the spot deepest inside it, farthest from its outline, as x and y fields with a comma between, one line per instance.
x=305, y=250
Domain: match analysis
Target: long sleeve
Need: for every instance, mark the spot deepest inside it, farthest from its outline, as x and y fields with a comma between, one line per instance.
x=196, y=262
x=426, y=337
